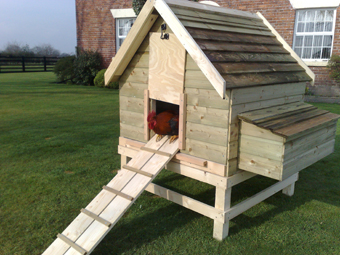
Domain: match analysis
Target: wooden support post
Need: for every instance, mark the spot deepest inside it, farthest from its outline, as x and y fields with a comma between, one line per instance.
x=146, y=113
x=289, y=190
x=182, y=121
x=123, y=160
x=222, y=202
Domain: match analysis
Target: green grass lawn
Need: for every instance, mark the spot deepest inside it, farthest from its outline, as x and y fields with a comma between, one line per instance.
x=58, y=147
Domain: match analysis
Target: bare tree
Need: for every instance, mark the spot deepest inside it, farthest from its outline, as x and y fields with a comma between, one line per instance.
x=46, y=50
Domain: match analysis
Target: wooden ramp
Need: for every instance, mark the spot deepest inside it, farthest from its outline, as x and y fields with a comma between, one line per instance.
x=98, y=218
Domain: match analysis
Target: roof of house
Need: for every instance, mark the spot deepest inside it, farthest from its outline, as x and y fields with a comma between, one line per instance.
x=232, y=48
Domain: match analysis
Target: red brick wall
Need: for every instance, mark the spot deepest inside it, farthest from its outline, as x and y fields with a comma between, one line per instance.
x=96, y=26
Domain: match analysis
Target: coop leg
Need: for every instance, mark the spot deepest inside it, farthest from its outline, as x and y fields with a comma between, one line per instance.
x=123, y=160
x=222, y=202
x=289, y=190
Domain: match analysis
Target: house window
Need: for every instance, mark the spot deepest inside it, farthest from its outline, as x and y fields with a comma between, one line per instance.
x=123, y=26
x=314, y=33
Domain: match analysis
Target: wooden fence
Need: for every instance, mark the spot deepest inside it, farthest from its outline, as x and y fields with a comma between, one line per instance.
x=27, y=64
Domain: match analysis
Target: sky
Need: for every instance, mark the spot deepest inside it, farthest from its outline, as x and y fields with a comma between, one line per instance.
x=37, y=22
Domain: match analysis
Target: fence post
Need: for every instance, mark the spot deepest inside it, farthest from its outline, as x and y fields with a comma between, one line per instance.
x=23, y=63
x=45, y=69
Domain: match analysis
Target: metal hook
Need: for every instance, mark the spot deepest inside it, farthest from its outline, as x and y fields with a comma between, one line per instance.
x=165, y=35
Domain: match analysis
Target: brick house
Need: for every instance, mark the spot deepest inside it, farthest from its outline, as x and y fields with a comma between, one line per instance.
x=311, y=28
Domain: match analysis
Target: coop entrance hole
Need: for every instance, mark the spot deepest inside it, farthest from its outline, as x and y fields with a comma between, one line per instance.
x=161, y=106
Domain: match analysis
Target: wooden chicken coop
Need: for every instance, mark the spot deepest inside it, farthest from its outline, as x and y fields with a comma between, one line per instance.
x=239, y=91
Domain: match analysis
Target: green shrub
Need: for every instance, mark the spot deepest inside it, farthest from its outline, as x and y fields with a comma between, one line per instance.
x=100, y=82
x=86, y=66
x=137, y=5
x=64, y=69
x=334, y=66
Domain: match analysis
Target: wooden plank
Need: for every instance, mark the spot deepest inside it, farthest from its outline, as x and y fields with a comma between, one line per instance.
x=131, y=118
x=206, y=150
x=138, y=171
x=72, y=244
x=196, y=79
x=206, y=98
x=259, y=197
x=261, y=147
x=263, y=115
x=224, y=36
x=146, y=113
x=132, y=89
x=191, y=46
x=140, y=60
x=308, y=158
x=214, y=27
x=182, y=120
x=131, y=104
x=207, y=116
x=288, y=48
x=130, y=143
x=239, y=68
x=133, y=40
x=223, y=203
x=185, y=201
x=191, y=159
x=248, y=80
x=96, y=217
x=132, y=132
x=216, y=17
x=209, y=134
x=301, y=128
x=117, y=192
x=254, y=131
x=156, y=151
x=166, y=74
x=256, y=94
x=238, y=177
x=135, y=75
x=211, y=9
x=208, y=45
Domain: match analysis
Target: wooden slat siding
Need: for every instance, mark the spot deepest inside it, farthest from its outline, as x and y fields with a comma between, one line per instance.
x=206, y=150
x=300, y=129
x=220, y=22
x=261, y=93
x=144, y=47
x=280, y=110
x=224, y=36
x=132, y=118
x=131, y=104
x=208, y=45
x=239, y=68
x=206, y=98
x=132, y=89
x=211, y=9
x=216, y=27
x=301, y=144
x=208, y=134
x=140, y=60
x=248, y=80
x=217, y=16
x=132, y=132
x=208, y=116
x=138, y=75
x=157, y=26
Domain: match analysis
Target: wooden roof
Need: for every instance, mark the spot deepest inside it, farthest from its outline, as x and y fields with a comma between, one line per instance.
x=232, y=48
x=289, y=120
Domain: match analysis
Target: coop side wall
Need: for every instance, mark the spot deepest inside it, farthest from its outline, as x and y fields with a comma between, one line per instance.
x=255, y=98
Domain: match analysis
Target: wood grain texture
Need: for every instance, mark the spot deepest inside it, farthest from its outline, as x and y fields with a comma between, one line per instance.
x=166, y=68
x=208, y=45
x=207, y=116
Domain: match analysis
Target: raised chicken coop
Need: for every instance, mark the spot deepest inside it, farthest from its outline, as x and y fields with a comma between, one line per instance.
x=238, y=88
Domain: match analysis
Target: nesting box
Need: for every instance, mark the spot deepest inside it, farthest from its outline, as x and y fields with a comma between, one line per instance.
x=238, y=88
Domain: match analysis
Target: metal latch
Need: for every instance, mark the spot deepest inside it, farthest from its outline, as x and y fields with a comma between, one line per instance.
x=165, y=35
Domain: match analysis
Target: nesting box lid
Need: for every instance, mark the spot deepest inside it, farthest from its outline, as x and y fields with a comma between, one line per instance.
x=232, y=48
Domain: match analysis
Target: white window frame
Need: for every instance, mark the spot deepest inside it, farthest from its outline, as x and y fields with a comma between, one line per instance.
x=118, y=36
x=310, y=61
x=121, y=14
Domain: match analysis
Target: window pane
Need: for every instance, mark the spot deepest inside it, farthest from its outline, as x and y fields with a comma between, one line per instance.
x=307, y=52
x=326, y=53
x=301, y=15
x=298, y=41
x=316, y=53
x=328, y=26
x=120, y=41
x=309, y=27
x=319, y=26
x=317, y=40
x=308, y=40
x=320, y=16
x=301, y=27
x=329, y=15
x=298, y=51
x=327, y=40
x=310, y=15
